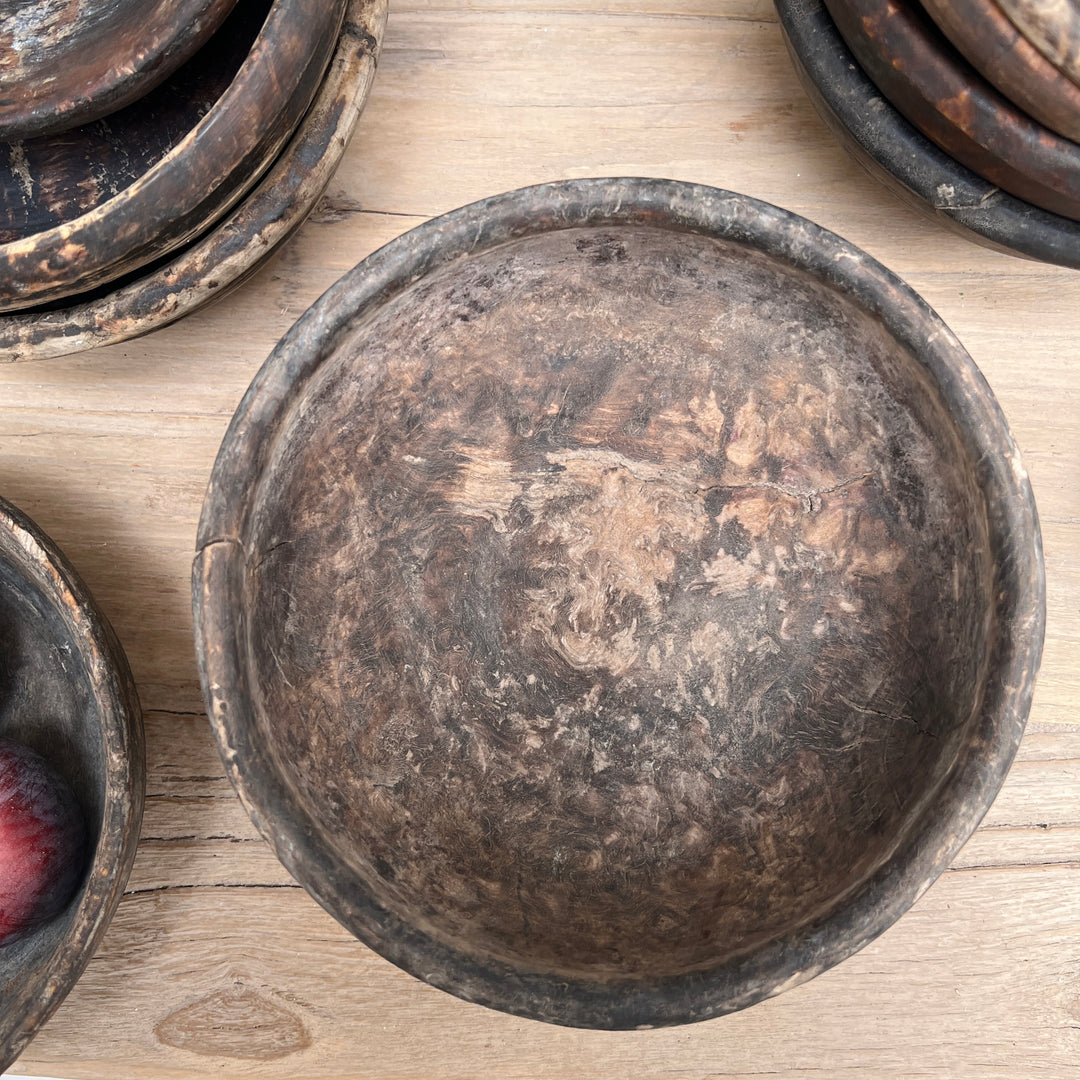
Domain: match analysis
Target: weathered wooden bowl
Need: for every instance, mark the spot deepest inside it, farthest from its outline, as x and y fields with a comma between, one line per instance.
x=56, y=178
x=918, y=70
x=617, y=601
x=67, y=62
x=221, y=260
x=200, y=178
x=65, y=691
x=894, y=152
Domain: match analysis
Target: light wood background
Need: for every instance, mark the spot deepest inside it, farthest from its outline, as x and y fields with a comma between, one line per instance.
x=217, y=964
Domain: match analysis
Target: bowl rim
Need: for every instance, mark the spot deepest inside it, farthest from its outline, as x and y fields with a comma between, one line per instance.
x=937, y=831
x=114, y=692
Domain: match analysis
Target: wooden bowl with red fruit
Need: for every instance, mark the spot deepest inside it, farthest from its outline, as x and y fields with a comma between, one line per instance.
x=71, y=778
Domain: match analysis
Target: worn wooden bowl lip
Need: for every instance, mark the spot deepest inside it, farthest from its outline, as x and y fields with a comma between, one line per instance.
x=57, y=95
x=127, y=230
x=895, y=152
x=47, y=570
x=923, y=853
x=239, y=243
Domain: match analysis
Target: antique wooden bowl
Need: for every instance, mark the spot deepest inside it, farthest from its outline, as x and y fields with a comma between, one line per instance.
x=894, y=152
x=1002, y=55
x=1053, y=27
x=67, y=62
x=214, y=264
x=56, y=178
x=65, y=691
x=928, y=81
x=617, y=601
x=198, y=179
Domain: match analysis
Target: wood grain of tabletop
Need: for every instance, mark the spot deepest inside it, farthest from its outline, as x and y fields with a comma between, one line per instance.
x=217, y=963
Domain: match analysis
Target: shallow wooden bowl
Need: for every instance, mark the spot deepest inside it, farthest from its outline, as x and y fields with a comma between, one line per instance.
x=221, y=260
x=894, y=152
x=67, y=62
x=918, y=71
x=617, y=601
x=199, y=179
x=65, y=691
x=56, y=178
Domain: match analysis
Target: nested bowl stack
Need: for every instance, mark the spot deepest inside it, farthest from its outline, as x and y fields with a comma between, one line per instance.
x=955, y=108
x=120, y=225
x=65, y=692
x=617, y=601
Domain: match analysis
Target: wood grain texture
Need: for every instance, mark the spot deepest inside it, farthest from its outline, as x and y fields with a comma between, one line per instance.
x=110, y=451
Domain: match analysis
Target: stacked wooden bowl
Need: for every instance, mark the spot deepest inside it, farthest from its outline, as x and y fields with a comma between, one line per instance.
x=971, y=107
x=152, y=155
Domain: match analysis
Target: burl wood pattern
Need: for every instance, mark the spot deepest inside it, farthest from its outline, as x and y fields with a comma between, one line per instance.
x=917, y=69
x=242, y=240
x=198, y=180
x=65, y=691
x=1053, y=27
x=51, y=179
x=615, y=601
x=68, y=62
x=1002, y=55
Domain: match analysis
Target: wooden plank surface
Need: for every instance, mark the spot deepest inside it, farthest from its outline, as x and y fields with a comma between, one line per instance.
x=217, y=963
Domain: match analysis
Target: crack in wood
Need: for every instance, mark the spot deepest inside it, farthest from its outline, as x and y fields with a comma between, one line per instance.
x=193, y=886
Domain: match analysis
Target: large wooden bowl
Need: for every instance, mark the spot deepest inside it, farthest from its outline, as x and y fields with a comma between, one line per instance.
x=65, y=691
x=199, y=179
x=617, y=601
x=894, y=152
x=221, y=260
x=68, y=62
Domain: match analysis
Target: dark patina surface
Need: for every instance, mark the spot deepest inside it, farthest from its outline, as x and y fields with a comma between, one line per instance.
x=66, y=692
x=200, y=178
x=591, y=622
x=893, y=151
x=918, y=71
x=68, y=62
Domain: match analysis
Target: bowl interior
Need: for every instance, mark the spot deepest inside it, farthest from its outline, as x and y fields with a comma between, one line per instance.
x=64, y=692
x=615, y=601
